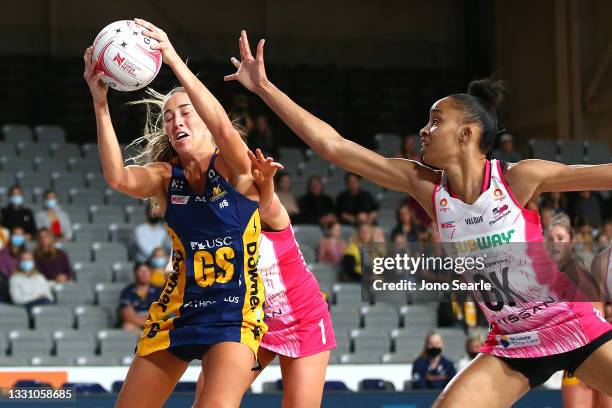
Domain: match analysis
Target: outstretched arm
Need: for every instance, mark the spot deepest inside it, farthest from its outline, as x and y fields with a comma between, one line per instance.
x=233, y=148
x=136, y=181
x=396, y=174
x=528, y=178
x=271, y=210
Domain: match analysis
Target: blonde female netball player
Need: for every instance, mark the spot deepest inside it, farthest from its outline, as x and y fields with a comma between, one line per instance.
x=474, y=198
x=207, y=195
x=300, y=330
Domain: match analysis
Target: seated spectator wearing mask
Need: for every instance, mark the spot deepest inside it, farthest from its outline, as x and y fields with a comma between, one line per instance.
x=431, y=370
x=27, y=286
x=52, y=262
x=16, y=215
x=53, y=218
x=150, y=235
x=158, y=263
x=9, y=255
x=136, y=298
x=472, y=348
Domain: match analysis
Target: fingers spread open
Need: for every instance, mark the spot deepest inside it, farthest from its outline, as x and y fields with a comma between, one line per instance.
x=259, y=56
x=235, y=62
x=247, y=47
x=231, y=77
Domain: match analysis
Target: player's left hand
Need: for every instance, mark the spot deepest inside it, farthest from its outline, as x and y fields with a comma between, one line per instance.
x=163, y=43
x=263, y=169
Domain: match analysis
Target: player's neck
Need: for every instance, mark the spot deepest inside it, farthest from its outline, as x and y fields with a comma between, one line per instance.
x=466, y=176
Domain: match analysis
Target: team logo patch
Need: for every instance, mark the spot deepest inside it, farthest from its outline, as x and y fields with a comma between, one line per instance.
x=498, y=195
x=518, y=340
x=179, y=199
x=217, y=193
x=177, y=185
x=499, y=213
x=444, y=205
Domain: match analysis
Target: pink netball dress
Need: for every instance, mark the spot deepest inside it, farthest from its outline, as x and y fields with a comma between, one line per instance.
x=299, y=323
x=541, y=326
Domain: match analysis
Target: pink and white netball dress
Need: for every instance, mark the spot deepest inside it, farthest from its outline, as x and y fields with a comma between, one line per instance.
x=299, y=324
x=536, y=318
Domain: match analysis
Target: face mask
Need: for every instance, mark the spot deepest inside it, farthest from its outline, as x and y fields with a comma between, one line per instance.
x=434, y=351
x=472, y=355
x=50, y=203
x=17, y=240
x=158, y=262
x=16, y=200
x=26, y=266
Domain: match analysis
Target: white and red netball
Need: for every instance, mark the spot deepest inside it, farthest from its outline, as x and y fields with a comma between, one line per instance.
x=125, y=56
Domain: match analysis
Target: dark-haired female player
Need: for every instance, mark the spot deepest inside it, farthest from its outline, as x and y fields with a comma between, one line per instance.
x=461, y=128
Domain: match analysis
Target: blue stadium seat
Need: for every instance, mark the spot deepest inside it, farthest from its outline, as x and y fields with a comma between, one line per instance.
x=375, y=384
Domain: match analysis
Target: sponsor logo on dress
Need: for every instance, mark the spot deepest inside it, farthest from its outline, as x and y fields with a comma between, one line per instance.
x=447, y=224
x=179, y=199
x=500, y=213
x=483, y=242
x=518, y=340
x=199, y=304
x=474, y=220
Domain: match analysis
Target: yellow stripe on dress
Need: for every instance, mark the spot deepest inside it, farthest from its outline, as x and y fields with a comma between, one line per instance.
x=156, y=333
x=253, y=326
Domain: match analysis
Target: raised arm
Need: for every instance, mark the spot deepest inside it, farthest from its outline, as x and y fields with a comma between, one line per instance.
x=232, y=147
x=528, y=178
x=396, y=174
x=272, y=212
x=136, y=181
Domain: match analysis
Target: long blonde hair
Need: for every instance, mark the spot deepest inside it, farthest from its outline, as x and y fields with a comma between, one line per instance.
x=154, y=145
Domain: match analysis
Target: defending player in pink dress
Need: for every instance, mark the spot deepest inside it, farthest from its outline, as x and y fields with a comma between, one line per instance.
x=459, y=133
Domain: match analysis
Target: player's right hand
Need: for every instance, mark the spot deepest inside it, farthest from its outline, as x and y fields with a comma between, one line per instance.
x=97, y=87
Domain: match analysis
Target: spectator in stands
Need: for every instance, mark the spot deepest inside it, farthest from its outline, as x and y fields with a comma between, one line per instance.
x=150, y=235
x=239, y=113
x=421, y=218
x=158, y=263
x=54, y=218
x=315, y=206
x=136, y=298
x=355, y=206
x=546, y=216
x=583, y=236
x=408, y=149
x=16, y=215
x=286, y=197
x=601, y=242
x=27, y=286
x=472, y=348
x=506, y=151
x=332, y=246
x=431, y=370
x=589, y=208
x=405, y=224
x=555, y=200
x=9, y=255
x=52, y=262
x=261, y=137
x=351, y=261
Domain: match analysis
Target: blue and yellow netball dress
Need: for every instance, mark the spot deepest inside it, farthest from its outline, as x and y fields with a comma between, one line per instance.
x=215, y=293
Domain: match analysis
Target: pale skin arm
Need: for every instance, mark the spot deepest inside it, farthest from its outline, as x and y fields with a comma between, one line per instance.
x=129, y=315
x=136, y=181
x=232, y=147
x=272, y=212
x=395, y=174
